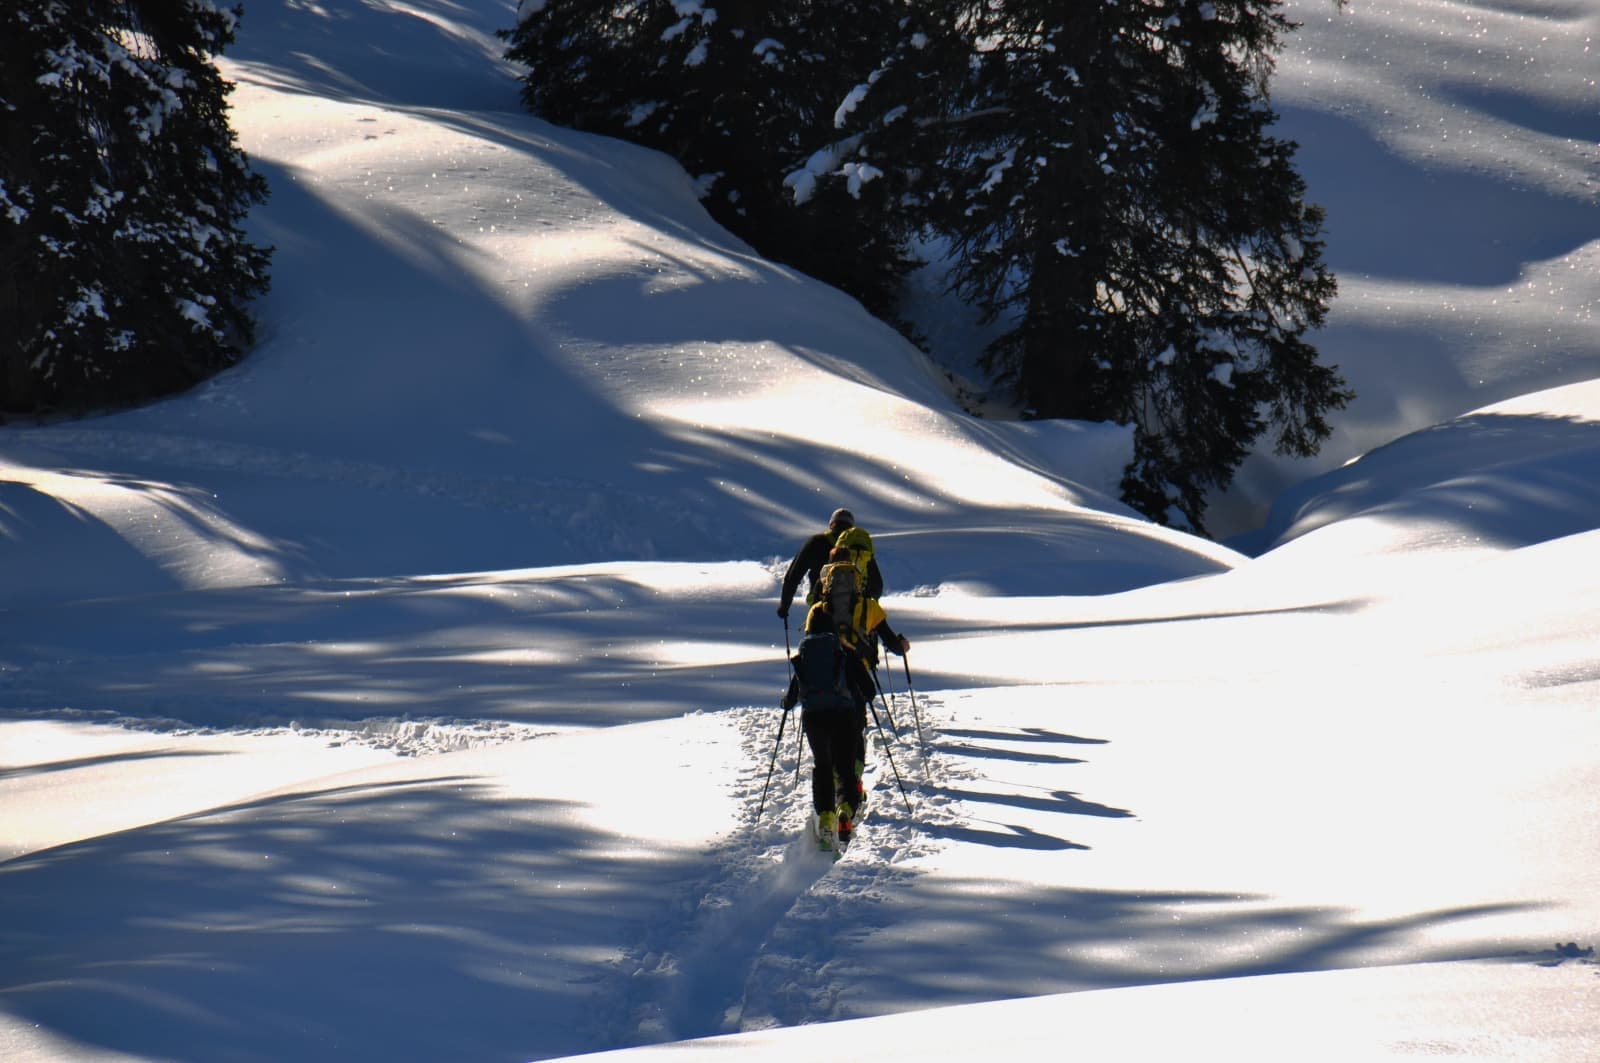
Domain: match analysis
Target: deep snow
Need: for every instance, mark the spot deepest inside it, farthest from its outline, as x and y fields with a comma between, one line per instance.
x=408, y=692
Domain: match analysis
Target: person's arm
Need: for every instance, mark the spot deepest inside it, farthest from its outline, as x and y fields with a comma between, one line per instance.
x=874, y=579
x=803, y=562
x=895, y=643
x=878, y=624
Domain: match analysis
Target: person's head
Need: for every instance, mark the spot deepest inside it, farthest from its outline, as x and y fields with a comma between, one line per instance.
x=841, y=519
x=820, y=621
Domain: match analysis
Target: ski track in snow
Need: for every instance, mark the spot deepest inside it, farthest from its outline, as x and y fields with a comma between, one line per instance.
x=409, y=736
x=754, y=944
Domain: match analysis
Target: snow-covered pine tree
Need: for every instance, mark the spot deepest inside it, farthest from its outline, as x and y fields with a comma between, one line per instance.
x=124, y=272
x=738, y=91
x=1104, y=175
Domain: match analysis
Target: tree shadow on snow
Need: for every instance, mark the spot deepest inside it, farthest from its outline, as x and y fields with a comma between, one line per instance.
x=1025, y=734
x=427, y=920
x=1013, y=836
x=576, y=649
x=347, y=51
x=981, y=752
x=49, y=539
x=1435, y=225
x=1064, y=802
x=1002, y=940
x=75, y=763
x=1002, y=746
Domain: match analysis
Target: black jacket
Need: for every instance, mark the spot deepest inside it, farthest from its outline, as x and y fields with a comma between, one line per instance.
x=807, y=564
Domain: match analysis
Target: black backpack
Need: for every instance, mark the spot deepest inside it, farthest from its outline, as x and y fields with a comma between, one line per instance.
x=820, y=666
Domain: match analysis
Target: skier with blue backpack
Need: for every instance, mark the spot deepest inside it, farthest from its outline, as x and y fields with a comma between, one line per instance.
x=833, y=687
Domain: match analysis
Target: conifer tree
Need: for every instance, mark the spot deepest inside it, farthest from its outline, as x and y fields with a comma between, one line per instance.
x=124, y=272
x=1104, y=174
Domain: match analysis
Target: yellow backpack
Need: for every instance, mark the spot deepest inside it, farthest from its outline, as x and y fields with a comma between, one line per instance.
x=859, y=544
x=843, y=593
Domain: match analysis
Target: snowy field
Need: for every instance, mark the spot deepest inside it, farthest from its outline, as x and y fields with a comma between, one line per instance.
x=408, y=692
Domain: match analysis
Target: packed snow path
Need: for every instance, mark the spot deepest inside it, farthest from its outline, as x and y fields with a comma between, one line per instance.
x=753, y=944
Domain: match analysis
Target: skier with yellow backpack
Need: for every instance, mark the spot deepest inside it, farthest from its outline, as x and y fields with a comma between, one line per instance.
x=813, y=556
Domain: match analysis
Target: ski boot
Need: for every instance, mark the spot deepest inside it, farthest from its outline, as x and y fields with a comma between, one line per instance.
x=846, y=824
x=827, y=832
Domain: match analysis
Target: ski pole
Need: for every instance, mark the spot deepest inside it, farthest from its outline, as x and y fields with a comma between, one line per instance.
x=799, y=756
x=890, y=754
x=772, y=762
x=911, y=692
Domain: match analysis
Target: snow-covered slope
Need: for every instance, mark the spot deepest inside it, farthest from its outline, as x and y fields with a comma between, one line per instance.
x=408, y=692
x=493, y=344
x=1456, y=148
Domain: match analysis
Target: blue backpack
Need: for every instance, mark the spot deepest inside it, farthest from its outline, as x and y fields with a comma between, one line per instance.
x=820, y=666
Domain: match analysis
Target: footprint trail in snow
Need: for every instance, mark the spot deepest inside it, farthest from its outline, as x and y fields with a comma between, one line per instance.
x=753, y=944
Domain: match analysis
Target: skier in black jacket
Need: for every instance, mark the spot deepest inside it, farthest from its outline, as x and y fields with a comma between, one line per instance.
x=807, y=564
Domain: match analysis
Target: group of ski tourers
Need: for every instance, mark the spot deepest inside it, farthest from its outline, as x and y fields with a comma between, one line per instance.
x=833, y=674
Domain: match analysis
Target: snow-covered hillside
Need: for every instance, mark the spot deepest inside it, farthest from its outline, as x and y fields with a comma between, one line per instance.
x=1456, y=149
x=409, y=691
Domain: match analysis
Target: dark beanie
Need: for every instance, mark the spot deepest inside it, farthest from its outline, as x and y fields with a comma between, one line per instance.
x=842, y=518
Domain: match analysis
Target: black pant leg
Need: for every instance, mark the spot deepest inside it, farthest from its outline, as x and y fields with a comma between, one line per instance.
x=847, y=743
x=820, y=728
